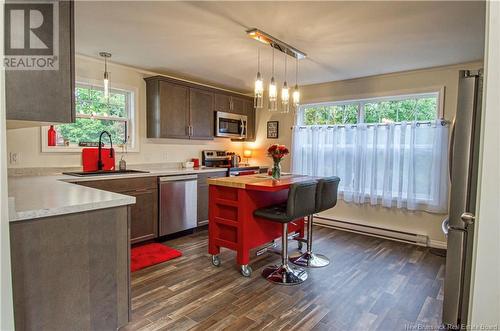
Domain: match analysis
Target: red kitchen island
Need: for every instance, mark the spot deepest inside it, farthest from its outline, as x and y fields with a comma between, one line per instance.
x=232, y=201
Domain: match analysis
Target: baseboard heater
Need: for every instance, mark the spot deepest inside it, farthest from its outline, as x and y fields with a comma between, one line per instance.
x=412, y=238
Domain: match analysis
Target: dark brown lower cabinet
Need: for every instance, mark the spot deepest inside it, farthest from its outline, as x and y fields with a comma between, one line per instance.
x=203, y=195
x=144, y=214
x=71, y=272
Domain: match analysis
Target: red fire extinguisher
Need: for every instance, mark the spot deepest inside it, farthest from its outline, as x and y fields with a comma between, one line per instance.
x=52, y=136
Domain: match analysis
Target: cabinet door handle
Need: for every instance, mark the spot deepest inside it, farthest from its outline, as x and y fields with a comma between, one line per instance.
x=141, y=190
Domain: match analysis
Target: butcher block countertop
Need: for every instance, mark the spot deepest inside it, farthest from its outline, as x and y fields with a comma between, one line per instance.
x=260, y=182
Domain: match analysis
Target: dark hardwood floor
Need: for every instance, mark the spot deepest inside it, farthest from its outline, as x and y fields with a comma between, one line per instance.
x=371, y=284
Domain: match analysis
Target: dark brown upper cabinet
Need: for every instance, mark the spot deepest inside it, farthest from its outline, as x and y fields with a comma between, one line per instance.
x=229, y=103
x=46, y=95
x=222, y=102
x=173, y=117
x=185, y=110
x=201, y=110
x=176, y=110
x=238, y=106
x=251, y=125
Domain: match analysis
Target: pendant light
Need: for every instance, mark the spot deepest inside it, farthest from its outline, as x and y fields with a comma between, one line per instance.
x=273, y=91
x=106, y=55
x=296, y=93
x=285, y=93
x=258, y=101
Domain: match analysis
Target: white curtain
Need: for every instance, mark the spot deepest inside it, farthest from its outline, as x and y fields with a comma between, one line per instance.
x=403, y=165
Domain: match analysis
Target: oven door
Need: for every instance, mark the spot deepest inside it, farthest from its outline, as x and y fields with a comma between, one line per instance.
x=230, y=125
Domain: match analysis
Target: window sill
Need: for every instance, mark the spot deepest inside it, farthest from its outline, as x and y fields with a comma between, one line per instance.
x=78, y=149
x=73, y=149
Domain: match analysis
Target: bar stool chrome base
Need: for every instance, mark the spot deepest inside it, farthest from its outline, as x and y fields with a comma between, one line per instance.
x=310, y=260
x=284, y=275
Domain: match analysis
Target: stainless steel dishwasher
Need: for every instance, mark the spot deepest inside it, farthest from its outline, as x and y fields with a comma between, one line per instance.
x=178, y=203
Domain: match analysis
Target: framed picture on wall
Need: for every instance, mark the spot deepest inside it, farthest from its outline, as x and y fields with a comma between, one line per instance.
x=273, y=129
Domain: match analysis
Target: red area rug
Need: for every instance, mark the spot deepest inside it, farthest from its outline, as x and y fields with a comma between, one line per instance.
x=151, y=254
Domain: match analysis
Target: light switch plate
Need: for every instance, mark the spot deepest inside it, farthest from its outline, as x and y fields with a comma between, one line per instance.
x=14, y=158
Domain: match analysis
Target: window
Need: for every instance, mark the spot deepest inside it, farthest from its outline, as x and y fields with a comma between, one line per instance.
x=414, y=107
x=95, y=114
x=394, y=153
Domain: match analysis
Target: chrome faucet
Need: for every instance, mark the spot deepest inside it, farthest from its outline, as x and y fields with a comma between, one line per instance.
x=100, y=164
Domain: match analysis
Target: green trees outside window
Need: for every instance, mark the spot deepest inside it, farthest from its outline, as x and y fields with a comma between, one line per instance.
x=419, y=107
x=95, y=114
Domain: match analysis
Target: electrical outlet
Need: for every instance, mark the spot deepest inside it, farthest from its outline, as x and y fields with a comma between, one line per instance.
x=165, y=156
x=14, y=158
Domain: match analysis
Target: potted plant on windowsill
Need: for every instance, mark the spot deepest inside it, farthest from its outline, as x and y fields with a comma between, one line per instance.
x=277, y=153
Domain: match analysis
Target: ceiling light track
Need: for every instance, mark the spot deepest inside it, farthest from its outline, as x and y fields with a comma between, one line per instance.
x=275, y=43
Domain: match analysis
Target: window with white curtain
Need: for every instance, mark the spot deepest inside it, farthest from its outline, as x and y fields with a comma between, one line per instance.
x=390, y=151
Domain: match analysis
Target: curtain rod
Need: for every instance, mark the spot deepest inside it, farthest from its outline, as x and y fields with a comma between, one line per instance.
x=443, y=122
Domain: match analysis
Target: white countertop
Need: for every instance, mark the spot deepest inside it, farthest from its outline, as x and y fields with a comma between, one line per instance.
x=36, y=197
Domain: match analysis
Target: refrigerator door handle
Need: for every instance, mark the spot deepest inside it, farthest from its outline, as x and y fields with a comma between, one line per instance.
x=468, y=218
x=450, y=149
x=445, y=226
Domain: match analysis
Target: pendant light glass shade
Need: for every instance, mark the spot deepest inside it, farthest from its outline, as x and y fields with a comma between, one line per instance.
x=273, y=92
x=273, y=96
x=106, y=85
x=296, y=96
x=258, y=101
x=285, y=98
x=296, y=92
x=259, y=92
x=105, y=82
x=285, y=93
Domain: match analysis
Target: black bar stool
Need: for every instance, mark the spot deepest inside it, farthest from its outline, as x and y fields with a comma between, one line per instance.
x=301, y=202
x=326, y=198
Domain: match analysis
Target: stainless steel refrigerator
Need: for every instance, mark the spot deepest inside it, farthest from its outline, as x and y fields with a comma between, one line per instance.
x=459, y=226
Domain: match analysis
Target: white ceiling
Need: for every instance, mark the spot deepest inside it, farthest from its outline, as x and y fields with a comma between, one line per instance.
x=206, y=41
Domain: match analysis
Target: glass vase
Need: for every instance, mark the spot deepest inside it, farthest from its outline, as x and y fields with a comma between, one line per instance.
x=276, y=170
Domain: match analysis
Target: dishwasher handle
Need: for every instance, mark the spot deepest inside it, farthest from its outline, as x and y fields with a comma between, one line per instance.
x=178, y=178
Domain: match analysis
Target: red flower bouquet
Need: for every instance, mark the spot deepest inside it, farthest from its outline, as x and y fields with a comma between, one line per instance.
x=277, y=153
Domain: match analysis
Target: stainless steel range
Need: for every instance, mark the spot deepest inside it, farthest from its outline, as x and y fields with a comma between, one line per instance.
x=222, y=159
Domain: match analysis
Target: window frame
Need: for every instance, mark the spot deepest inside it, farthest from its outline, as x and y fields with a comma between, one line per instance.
x=388, y=96
x=132, y=144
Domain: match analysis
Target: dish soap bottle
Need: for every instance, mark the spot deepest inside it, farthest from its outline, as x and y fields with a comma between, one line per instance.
x=122, y=165
x=51, y=138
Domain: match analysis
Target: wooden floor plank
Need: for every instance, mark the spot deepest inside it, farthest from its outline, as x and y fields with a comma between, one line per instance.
x=371, y=284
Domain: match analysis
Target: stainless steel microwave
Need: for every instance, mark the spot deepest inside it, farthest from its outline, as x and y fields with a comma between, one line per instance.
x=230, y=125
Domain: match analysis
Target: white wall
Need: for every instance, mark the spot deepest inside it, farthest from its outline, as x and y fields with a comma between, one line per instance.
x=6, y=305
x=485, y=289
x=436, y=78
x=26, y=141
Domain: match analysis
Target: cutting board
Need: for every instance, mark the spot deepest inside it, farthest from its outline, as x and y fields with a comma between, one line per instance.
x=90, y=156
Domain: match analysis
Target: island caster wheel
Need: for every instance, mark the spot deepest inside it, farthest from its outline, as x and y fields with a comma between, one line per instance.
x=216, y=260
x=246, y=270
x=300, y=245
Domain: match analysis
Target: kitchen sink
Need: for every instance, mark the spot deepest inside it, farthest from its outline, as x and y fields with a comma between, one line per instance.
x=103, y=173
